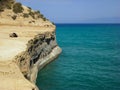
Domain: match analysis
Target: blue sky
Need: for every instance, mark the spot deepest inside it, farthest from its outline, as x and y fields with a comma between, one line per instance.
x=77, y=11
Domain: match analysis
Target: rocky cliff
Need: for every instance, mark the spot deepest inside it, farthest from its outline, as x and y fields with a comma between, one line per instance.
x=37, y=54
x=27, y=44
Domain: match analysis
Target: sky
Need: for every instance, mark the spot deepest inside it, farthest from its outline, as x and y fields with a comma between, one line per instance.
x=77, y=11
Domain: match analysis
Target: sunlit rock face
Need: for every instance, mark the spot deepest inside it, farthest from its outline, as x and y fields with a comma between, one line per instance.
x=38, y=48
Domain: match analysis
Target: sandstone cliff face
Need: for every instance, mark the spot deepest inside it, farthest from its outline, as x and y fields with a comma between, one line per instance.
x=37, y=49
x=34, y=47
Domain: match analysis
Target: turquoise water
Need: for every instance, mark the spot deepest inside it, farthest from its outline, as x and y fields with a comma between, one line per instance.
x=90, y=59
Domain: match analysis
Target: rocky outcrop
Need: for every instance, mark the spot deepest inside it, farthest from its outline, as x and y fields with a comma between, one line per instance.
x=25, y=55
x=38, y=49
x=20, y=62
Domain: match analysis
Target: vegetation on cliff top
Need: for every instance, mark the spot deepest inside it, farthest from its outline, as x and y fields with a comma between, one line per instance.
x=10, y=4
x=6, y=4
x=17, y=8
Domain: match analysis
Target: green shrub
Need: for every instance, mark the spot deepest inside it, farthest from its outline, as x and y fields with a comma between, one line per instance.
x=37, y=12
x=14, y=17
x=29, y=8
x=32, y=14
x=44, y=19
x=1, y=9
x=40, y=16
x=6, y=4
x=25, y=15
x=17, y=8
x=53, y=23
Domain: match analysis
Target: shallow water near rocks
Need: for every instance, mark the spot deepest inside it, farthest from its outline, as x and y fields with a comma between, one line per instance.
x=90, y=59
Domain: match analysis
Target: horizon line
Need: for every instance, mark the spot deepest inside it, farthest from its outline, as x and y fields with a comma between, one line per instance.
x=86, y=23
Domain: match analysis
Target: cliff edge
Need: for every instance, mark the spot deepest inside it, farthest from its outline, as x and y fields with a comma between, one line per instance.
x=27, y=44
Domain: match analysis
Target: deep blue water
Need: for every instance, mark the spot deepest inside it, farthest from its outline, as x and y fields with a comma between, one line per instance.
x=90, y=59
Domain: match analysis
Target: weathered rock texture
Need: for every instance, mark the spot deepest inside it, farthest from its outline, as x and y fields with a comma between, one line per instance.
x=27, y=44
x=21, y=58
x=38, y=48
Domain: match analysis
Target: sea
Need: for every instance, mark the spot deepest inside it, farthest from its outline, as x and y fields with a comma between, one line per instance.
x=90, y=59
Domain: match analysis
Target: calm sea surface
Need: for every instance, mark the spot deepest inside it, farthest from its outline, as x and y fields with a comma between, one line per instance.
x=90, y=59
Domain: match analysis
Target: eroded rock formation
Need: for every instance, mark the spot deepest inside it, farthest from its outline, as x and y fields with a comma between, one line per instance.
x=37, y=49
x=35, y=46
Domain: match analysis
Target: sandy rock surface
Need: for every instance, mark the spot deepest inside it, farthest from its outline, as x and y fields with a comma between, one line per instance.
x=10, y=75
